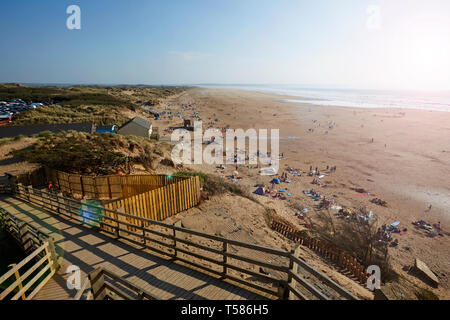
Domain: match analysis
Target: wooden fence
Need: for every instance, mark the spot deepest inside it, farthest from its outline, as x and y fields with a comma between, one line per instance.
x=342, y=258
x=41, y=249
x=106, y=285
x=214, y=255
x=37, y=178
x=109, y=186
x=6, y=189
x=161, y=203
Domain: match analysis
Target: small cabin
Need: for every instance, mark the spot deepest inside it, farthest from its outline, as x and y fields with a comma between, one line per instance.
x=136, y=127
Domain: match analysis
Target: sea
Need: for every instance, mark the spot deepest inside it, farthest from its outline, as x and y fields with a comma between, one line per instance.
x=355, y=98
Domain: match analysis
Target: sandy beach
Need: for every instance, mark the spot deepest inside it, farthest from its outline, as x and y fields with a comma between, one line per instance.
x=406, y=164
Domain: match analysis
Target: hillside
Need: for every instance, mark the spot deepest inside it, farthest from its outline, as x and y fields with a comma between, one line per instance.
x=100, y=153
x=97, y=104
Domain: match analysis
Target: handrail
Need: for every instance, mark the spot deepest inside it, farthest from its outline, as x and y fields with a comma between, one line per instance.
x=43, y=251
x=44, y=264
x=324, y=278
x=14, y=226
x=100, y=287
x=23, y=262
x=66, y=206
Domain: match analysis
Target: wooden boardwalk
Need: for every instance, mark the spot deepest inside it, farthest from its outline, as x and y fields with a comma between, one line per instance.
x=88, y=249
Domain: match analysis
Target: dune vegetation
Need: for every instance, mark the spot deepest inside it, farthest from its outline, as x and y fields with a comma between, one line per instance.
x=99, y=153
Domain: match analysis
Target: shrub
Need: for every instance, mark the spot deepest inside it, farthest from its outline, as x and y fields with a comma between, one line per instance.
x=19, y=137
x=79, y=152
x=4, y=141
x=215, y=185
x=356, y=237
x=45, y=134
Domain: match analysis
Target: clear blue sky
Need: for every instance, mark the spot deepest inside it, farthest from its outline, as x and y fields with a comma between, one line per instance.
x=320, y=42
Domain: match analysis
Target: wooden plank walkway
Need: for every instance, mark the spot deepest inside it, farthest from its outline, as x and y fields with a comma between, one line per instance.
x=88, y=249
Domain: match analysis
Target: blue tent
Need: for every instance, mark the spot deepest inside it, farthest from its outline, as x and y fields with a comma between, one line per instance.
x=276, y=181
x=260, y=191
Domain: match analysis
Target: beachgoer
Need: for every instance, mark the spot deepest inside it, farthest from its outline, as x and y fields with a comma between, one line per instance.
x=50, y=187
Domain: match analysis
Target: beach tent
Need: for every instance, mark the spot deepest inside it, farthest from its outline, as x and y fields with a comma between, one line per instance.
x=260, y=191
x=276, y=181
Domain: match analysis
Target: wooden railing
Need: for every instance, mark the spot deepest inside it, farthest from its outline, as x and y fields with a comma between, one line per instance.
x=295, y=279
x=106, y=285
x=342, y=258
x=35, y=177
x=214, y=255
x=41, y=249
x=5, y=189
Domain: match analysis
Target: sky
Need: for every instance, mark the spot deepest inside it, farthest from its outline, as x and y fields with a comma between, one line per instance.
x=366, y=44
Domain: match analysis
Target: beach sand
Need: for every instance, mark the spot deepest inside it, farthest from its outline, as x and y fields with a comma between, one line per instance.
x=407, y=164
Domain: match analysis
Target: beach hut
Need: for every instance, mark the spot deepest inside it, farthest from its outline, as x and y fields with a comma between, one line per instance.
x=136, y=127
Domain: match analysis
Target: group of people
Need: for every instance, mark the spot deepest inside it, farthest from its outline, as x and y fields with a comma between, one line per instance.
x=327, y=203
x=312, y=172
x=284, y=177
x=433, y=230
x=379, y=202
x=313, y=194
x=316, y=171
x=317, y=182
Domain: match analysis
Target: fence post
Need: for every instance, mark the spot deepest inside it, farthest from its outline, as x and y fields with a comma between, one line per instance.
x=27, y=188
x=176, y=224
x=19, y=190
x=293, y=268
x=282, y=289
x=97, y=280
x=290, y=279
x=224, y=251
x=52, y=250
x=27, y=242
x=17, y=276
x=61, y=203
x=57, y=181
x=57, y=204
x=82, y=186
x=21, y=226
x=109, y=187
x=118, y=217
